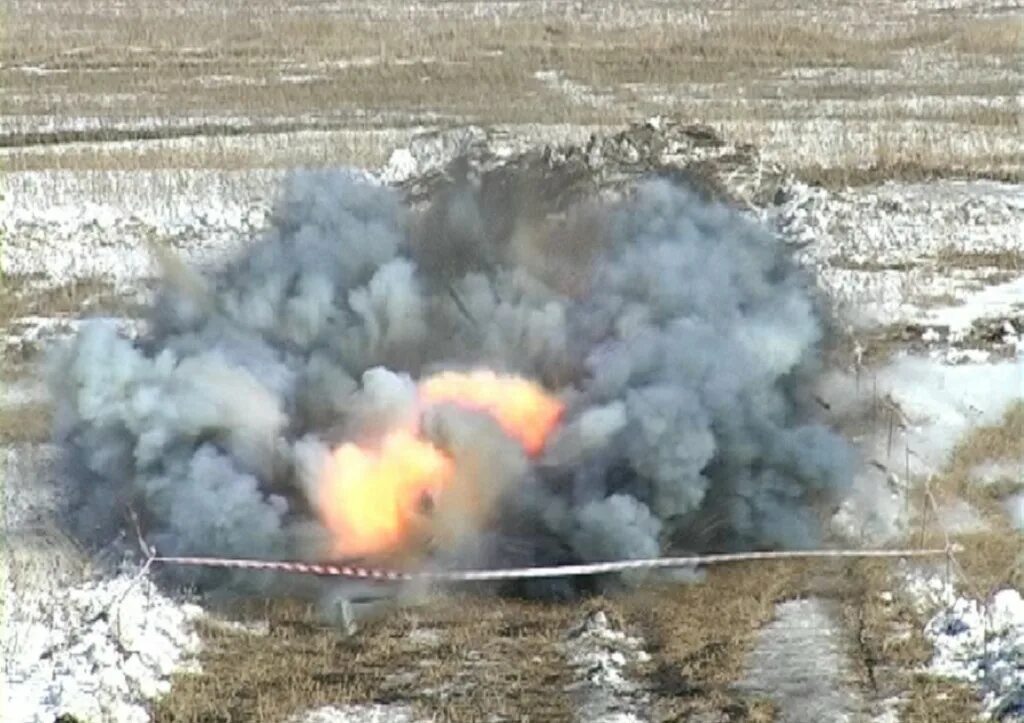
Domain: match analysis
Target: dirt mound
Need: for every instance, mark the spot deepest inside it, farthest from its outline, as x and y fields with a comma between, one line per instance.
x=556, y=175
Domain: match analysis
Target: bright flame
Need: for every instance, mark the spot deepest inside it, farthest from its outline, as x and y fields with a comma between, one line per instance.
x=375, y=498
x=521, y=407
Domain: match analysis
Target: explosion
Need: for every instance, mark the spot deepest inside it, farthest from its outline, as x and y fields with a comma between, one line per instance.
x=377, y=498
x=309, y=396
x=522, y=409
x=372, y=498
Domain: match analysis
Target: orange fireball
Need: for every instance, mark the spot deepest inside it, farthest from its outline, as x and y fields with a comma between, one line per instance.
x=374, y=499
x=521, y=408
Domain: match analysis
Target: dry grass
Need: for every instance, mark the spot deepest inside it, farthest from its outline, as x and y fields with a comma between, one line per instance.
x=905, y=169
x=993, y=558
x=364, y=148
x=485, y=656
x=25, y=423
x=1003, y=37
x=887, y=626
x=699, y=636
x=22, y=296
x=887, y=630
x=1002, y=442
x=861, y=152
x=991, y=561
x=956, y=258
x=889, y=646
x=893, y=646
x=489, y=656
x=26, y=297
x=318, y=68
x=936, y=700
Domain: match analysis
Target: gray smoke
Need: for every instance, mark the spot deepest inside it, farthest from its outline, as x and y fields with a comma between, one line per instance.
x=678, y=333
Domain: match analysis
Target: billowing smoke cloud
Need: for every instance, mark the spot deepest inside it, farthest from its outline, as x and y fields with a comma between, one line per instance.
x=677, y=333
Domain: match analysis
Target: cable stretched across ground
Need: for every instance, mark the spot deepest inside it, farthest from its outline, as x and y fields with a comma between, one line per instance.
x=523, y=573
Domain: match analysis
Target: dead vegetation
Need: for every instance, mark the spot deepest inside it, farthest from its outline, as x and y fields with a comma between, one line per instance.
x=700, y=634
x=889, y=647
x=879, y=344
x=25, y=423
x=264, y=72
x=456, y=659
x=991, y=558
x=888, y=623
x=22, y=296
x=1000, y=443
x=1004, y=260
x=1003, y=37
x=906, y=169
x=469, y=658
x=24, y=301
x=355, y=145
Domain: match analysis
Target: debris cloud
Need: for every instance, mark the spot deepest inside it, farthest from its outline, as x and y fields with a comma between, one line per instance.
x=444, y=387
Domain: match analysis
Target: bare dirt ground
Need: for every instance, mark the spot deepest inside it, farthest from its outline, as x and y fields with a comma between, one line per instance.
x=888, y=156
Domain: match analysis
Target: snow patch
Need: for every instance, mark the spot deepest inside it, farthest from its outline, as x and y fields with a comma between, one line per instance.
x=800, y=663
x=429, y=153
x=357, y=714
x=22, y=392
x=997, y=471
x=877, y=250
x=577, y=93
x=931, y=405
x=29, y=335
x=983, y=644
x=97, y=651
x=600, y=655
x=942, y=402
x=1014, y=506
x=992, y=301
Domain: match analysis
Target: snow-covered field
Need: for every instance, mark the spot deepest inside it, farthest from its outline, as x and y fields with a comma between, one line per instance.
x=888, y=159
x=85, y=639
x=982, y=642
x=96, y=650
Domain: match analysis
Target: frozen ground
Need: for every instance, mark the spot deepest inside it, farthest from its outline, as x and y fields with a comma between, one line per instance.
x=800, y=663
x=357, y=714
x=942, y=254
x=66, y=225
x=97, y=651
x=926, y=278
x=938, y=259
x=601, y=656
x=842, y=85
x=980, y=642
x=78, y=637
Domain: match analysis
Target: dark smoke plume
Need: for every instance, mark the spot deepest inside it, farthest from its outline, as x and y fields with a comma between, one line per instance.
x=677, y=332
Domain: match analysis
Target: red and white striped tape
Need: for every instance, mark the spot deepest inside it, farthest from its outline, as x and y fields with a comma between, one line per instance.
x=523, y=573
